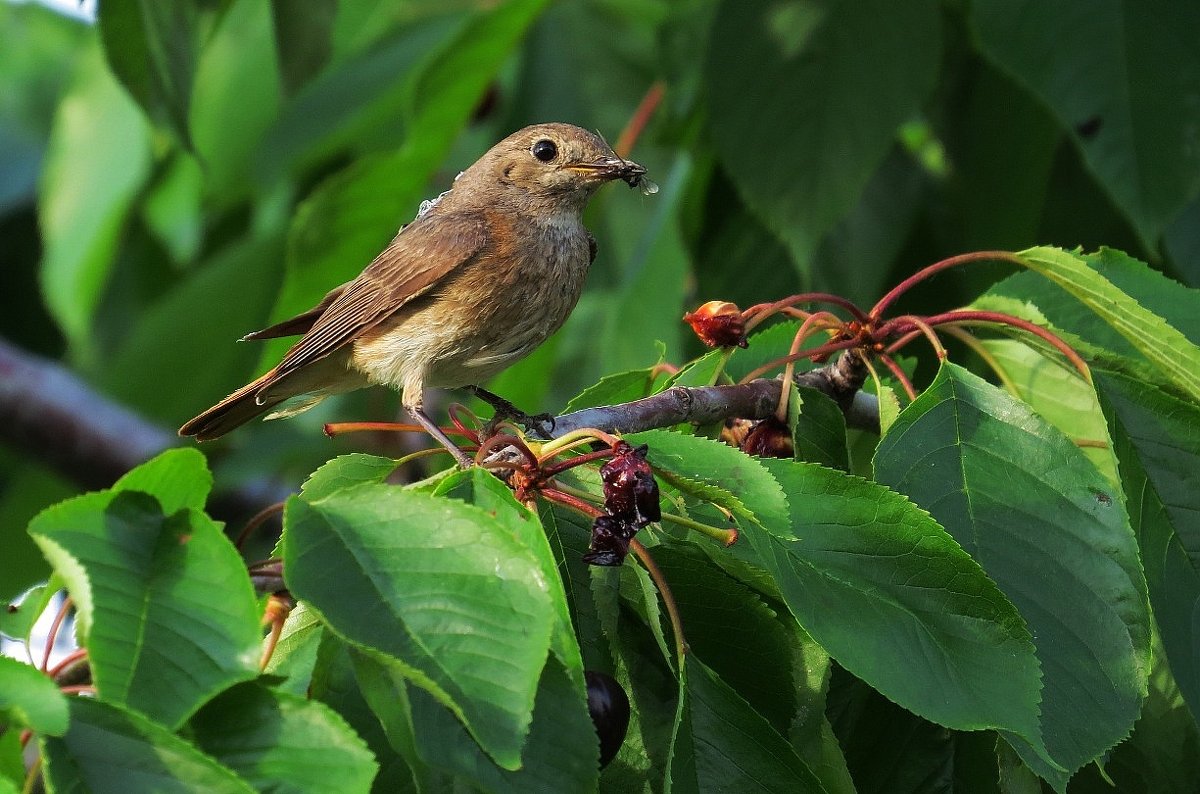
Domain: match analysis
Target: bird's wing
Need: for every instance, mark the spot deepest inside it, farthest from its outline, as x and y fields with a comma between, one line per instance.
x=301, y=323
x=423, y=254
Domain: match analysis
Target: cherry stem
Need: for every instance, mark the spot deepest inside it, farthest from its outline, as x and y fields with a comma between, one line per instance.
x=502, y=441
x=806, y=330
x=968, y=317
x=256, y=521
x=67, y=661
x=78, y=689
x=664, y=590
x=970, y=340
x=31, y=777
x=900, y=375
x=759, y=312
x=726, y=537
x=337, y=428
x=557, y=468
x=574, y=438
x=574, y=502
x=924, y=326
x=453, y=412
x=52, y=635
x=921, y=275
x=272, y=640
x=1094, y=443
x=811, y=352
x=640, y=118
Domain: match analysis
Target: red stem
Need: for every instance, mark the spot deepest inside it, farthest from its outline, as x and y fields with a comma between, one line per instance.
x=500, y=442
x=640, y=118
x=579, y=460
x=67, y=661
x=664, y=590
x=555, y=495
x=812, y=352
x=257, y=521
x=966, y=317
x=899, y=373
x=52, y=635
x=337, y=428
x=924, y=273
x=761, y=311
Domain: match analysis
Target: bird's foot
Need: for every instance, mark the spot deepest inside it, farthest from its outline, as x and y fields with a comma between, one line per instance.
x=538, y=424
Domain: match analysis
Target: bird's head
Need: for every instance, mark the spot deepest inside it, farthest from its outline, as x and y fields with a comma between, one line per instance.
x=549, y=167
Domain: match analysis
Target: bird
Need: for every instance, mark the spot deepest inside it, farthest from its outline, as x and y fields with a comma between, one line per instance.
x=482, y=276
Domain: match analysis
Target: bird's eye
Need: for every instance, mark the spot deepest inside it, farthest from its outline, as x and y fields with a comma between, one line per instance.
x=544, y=150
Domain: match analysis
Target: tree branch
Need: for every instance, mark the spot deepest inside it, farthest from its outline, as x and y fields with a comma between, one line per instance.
x=51, y=415
x=840, y=381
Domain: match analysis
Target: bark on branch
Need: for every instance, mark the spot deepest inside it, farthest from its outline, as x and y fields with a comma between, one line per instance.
x=54, y=417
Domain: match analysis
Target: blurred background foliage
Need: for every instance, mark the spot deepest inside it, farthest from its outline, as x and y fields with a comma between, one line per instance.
x=174, y=175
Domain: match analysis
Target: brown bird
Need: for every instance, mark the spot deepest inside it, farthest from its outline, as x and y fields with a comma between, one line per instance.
x=483, y=275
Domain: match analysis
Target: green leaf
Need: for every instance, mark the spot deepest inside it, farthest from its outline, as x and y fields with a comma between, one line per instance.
x=158, y=640
x=438, y=586
x=236, y=96
x=620, y=387
x=811, y=69
x=344, y=471
x=30, y=698
x=153, y=48
x=1163, y=345
x=878, y=583
x=1157, y=440
x=1129, y=113
x=303, y=37
x=560, y=754
x=716, y=472
x=1023, y=499
x=107, y=748
x=178, y=478
x=892, y=750
x=484, y=490
x=295, y=653
x=281, y=742
x=1055, y=390
x=733, y=631
x=818, y=429
x=97, y=160
x=721, y=744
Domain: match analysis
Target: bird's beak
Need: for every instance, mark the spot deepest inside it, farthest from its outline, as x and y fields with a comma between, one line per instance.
x=610, y=168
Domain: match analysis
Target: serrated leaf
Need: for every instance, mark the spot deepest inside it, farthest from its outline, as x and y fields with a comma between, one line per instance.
x=818, y=429
x=283, y=743
x=1157, y=440
x=1057, y=392
x=484, y=490
x=822, y=58
x=1130, y=115
x=878, y=583
x=178, y=478
x=344, y=471
x=107, y=748
x=436, y=585
x=143, y=582
x=721, y=744
x=30, y=698
x=1163, y=345
x=716, y=472
x=560, y=754
x=620, y=387
x=1023, y=499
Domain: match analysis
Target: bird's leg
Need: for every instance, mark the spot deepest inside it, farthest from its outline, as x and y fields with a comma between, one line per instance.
x=424, y=421
x=541, y=424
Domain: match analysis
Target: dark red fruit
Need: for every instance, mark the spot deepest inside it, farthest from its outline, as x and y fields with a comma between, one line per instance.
x=609, y=709
x=630, y=492
x=718, y=324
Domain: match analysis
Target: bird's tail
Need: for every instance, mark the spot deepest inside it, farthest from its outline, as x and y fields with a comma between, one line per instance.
x=234, y=411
